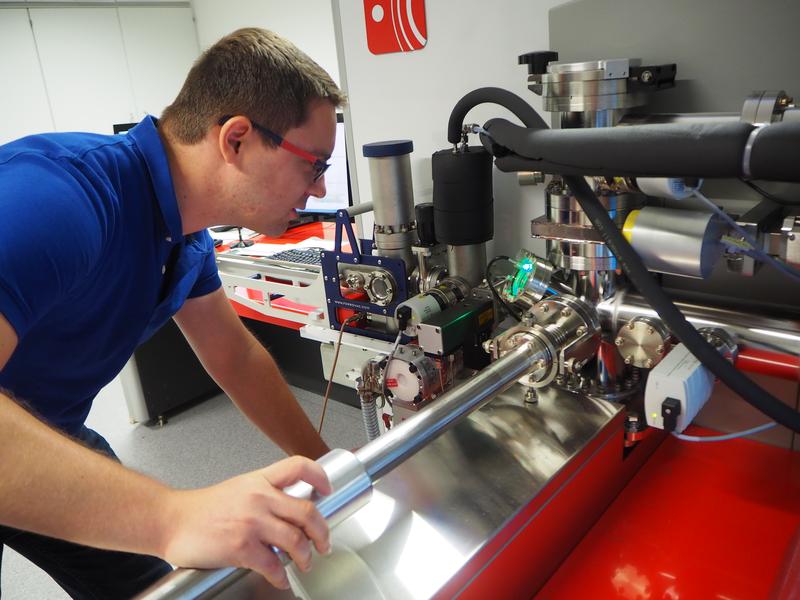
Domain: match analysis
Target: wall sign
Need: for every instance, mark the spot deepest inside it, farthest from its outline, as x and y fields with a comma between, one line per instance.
x=395, y=25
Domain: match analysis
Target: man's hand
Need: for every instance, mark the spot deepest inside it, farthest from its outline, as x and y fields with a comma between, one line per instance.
x=235, y=522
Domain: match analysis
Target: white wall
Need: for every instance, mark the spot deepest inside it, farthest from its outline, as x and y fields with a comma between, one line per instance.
x=74, y=67
x=471, y=44
x=307, y=24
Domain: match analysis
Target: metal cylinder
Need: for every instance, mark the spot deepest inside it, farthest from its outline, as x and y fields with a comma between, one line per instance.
x=352, y=490
x=677, y=242
x=392, y=197
x=401, y=442
x=750, y=329
x=467, y=262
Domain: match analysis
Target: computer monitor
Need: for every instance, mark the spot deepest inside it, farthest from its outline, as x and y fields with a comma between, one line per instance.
x=337, y=180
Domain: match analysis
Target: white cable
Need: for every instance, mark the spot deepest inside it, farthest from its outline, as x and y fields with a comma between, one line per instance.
x=754, y=249
x=723, y=438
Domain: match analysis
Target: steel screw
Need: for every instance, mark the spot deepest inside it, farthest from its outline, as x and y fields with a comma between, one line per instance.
x=628, y=359
x=648, y=363
x=619, y=341
x=650, y=330
x=631, y=325
x=580, y=331
x=660, y=350
x=566, y=312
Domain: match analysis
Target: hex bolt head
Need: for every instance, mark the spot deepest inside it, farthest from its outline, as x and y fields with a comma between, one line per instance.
x=631, y=325
x=648, y=363
x=628, y=359
x=660, y=350
x=619, y=341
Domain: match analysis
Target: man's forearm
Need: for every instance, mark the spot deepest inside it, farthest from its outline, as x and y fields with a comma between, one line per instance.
x=260, y=391
x=54, y=486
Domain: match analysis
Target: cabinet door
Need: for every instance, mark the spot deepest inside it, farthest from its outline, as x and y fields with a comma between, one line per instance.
x=84, y=65
x=161, y=45
x=23, y=101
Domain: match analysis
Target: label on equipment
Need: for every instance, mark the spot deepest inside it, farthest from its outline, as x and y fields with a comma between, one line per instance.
x=391, y=383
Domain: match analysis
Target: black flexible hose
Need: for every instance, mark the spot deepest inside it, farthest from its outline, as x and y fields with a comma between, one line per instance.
x=521, y=109
x=669, y=313
x=672, y=150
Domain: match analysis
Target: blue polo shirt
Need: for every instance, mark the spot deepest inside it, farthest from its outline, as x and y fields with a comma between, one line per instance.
x=92, y=262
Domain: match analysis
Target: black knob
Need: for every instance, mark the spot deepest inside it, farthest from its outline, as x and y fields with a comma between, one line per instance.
x=537, y=61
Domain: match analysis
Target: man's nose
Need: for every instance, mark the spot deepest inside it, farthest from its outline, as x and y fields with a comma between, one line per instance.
x=317, y=188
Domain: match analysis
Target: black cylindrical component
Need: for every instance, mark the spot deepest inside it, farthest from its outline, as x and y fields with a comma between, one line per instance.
x=680, y=150
x=426, y=232
x=463, y=206
x=776, y=152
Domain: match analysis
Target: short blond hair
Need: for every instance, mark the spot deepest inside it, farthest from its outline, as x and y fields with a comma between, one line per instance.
x=251, y=72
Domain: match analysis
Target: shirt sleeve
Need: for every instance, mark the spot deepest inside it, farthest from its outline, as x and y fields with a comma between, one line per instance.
x=209, y=280
x=50, y=236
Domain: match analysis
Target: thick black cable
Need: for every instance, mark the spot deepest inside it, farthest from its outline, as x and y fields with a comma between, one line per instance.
x=521, y=109
x=672, y=317
x=767, y=195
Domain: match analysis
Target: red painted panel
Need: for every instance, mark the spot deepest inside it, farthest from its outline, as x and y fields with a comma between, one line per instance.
x=711, y=520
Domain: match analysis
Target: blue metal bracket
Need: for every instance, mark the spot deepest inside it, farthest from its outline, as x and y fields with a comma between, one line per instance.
x=331, y=261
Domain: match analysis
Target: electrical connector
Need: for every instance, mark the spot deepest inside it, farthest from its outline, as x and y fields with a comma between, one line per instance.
x=670, y=410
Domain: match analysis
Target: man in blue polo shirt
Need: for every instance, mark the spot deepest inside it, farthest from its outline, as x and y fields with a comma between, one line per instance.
x=115, y=245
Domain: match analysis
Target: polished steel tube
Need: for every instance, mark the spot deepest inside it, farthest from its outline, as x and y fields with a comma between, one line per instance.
x=750, y=329
x=393, y=199
x=361, y=208
x=352, y=476
x=401, y=442
x=467, y=262
x=352, y=490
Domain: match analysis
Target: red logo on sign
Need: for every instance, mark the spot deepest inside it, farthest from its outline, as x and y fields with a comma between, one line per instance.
x=395, y=25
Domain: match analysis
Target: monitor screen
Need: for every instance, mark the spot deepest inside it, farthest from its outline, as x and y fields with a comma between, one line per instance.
x=336, y=179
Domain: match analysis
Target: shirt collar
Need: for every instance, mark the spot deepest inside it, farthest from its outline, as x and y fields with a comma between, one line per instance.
x=145, y=136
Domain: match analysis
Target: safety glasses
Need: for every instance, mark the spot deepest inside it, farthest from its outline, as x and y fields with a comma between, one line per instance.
x=319, y=166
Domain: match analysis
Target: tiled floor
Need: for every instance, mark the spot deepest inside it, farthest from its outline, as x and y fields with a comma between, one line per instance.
x=199, y=446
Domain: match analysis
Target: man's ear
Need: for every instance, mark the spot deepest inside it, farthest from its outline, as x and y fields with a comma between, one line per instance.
x=232, y=134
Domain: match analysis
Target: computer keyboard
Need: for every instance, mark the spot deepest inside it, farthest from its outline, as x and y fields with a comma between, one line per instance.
x=301, y=256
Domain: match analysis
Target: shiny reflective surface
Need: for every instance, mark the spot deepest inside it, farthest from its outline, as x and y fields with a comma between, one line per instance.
x=428, y=517
x=751, y=329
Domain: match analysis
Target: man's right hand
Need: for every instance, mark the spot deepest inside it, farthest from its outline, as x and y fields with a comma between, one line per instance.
x=234, y=522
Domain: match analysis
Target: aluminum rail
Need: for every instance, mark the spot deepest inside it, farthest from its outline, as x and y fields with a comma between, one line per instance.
x=352, y=475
